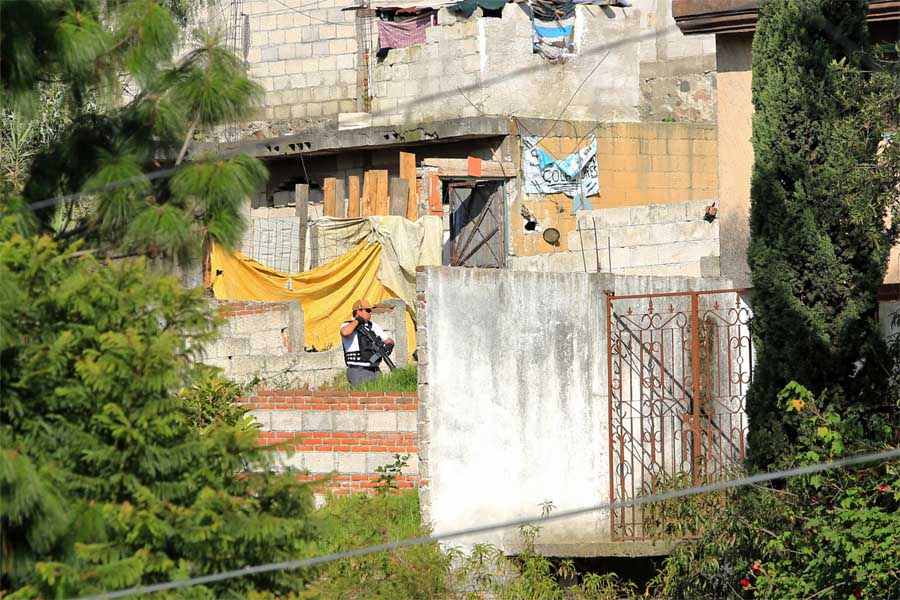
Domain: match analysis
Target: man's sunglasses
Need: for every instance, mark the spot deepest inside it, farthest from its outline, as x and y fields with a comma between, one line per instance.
x=368, y=310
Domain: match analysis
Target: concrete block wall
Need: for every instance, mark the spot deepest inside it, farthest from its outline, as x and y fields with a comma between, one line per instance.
x=487, y=65
x=638, y=163
x=344, y=435
x=662, y=239
x=273, y=328
x=263, y=343
x=307, y=60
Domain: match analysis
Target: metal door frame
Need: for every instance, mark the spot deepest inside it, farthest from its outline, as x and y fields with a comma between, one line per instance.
x=501, y=222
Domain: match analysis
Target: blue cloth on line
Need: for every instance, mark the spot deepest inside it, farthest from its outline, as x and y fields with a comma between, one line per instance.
x=580, y=202
x=552, y=30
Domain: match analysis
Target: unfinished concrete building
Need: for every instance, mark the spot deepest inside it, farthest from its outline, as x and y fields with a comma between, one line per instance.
x=521, y=132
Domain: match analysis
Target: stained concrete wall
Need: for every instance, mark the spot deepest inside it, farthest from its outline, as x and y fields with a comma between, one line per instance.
x=513, y=400
x=665, y=239
x=487, y=66
x=638, y=164
x=309, y=62
x=735, y=152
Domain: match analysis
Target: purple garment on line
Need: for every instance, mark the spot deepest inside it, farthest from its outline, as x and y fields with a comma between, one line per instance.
x=401, y=34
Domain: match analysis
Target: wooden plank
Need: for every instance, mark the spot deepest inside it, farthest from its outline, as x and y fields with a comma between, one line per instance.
x=329, y=207
x=368, y=193
x=340, y=199
x=435, y=206
x=408, y=172
x=380, y=197
x=399, y=196
x=353, y=200
x=301, y=209
x=473, y=167
x=459, y=167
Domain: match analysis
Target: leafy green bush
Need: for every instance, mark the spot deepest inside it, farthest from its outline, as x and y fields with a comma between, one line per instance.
x=829, y=535
x=122, y=463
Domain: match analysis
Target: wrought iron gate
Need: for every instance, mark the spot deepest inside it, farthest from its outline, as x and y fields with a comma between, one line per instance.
x=476, y=224
x=679, y=366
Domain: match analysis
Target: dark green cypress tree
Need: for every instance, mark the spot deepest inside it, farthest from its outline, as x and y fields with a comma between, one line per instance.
x=819, y=244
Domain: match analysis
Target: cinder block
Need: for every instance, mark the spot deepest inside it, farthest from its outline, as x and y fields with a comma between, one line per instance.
x=276, y=37
x=263, y=417
x=318, y=462
x=286, y=420
x=346, y=61
x=268, y=342
x=412, y=465
x=287, y=460
x=381, y=421
x=407, y=421
x=235, y=345
x=378, y=459
x=327, y=63
x=351, y=462
x=318, y=420
x=352, y=420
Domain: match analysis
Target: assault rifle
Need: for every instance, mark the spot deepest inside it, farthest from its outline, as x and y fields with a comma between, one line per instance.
x=381, y=349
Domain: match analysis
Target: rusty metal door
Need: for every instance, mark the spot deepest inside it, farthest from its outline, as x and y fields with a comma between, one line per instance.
x=476, y=224
x=679, y=366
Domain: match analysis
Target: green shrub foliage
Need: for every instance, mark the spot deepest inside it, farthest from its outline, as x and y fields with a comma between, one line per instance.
x=821, y=188
x=94, y=94
x=123, y=462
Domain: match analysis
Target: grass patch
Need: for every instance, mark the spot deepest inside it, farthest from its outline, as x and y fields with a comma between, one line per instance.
x=356, y=521
x=402, y=379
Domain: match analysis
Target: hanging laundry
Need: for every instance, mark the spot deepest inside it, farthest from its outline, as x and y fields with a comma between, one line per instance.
x=402, y=34
x=467, y=7
x=576, y=174
x=553, y=24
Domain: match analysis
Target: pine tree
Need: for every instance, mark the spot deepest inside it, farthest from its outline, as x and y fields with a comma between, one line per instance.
x=88, y=49
x=114, y=471
x=820, y=193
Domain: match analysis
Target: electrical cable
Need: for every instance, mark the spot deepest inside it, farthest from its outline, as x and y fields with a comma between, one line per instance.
x=250, y=144
x=640, y=501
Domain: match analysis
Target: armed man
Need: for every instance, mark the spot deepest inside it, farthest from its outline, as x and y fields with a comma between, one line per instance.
x=362, y=338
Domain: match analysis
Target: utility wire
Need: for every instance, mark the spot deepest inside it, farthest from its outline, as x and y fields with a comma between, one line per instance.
x=250, y=144
x=327, y=558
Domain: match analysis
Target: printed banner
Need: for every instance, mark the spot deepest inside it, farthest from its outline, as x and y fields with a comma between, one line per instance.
x=574, y=175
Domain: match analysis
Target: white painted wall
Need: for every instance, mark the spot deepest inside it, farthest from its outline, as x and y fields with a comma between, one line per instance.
x=513, y=397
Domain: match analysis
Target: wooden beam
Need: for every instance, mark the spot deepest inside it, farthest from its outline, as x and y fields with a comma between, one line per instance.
x=433, y=185
x=459, y=167
x=408, y=172
x=301, y=209
x=329, y=208
x=353, y=206
x=399, y=196
x=368, y=193
x=340, y=199
x=380, y=197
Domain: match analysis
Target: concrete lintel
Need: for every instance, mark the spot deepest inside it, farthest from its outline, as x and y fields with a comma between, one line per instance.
x=332, y=141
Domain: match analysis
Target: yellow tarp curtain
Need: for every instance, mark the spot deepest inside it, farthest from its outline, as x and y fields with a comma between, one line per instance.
x=326, y=293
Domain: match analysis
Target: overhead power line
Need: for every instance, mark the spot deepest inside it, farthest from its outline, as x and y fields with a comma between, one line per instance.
x=564, y=514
